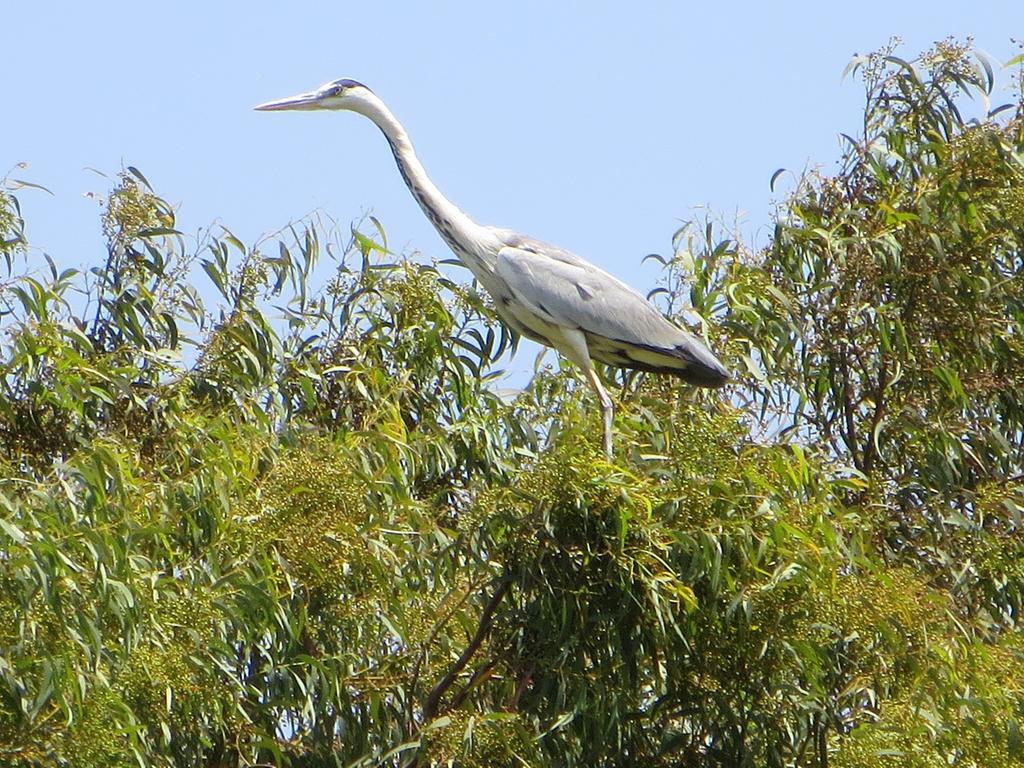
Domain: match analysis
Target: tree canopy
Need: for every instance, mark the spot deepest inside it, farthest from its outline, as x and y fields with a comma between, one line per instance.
x=272, y=505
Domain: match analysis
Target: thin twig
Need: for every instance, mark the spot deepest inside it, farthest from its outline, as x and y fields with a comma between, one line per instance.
x=521, y=687
x=478, y=676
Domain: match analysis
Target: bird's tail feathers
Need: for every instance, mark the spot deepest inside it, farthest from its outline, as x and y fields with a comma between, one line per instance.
x=691, y=361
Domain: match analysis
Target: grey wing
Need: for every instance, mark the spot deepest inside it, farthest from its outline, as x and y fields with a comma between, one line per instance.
x=515, y=239
x=621, y=326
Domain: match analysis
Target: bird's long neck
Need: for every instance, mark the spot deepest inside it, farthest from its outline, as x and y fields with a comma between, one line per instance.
x=463, y=235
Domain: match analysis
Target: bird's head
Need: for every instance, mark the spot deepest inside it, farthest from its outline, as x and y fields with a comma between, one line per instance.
x=337, y=94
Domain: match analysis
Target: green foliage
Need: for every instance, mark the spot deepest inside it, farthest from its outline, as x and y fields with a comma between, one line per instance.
x=283, y=518
x=896, y=311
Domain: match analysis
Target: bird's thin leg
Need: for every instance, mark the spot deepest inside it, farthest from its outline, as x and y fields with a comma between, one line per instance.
x=573, y=344
x=607, y=410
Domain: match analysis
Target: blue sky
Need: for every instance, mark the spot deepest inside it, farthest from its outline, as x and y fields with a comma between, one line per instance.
x=586, y=124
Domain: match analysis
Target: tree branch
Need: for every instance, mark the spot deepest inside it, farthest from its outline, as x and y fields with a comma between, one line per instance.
x=486, y=620
x=870, y=451
x=435, y=630
x=850, y=431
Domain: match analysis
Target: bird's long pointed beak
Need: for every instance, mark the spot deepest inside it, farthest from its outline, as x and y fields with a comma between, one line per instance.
x=301, y=101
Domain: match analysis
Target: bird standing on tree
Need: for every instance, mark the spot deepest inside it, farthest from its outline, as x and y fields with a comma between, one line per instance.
x=541, y=291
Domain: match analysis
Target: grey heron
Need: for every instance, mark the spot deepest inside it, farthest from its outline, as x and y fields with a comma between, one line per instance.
x=541, y=291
